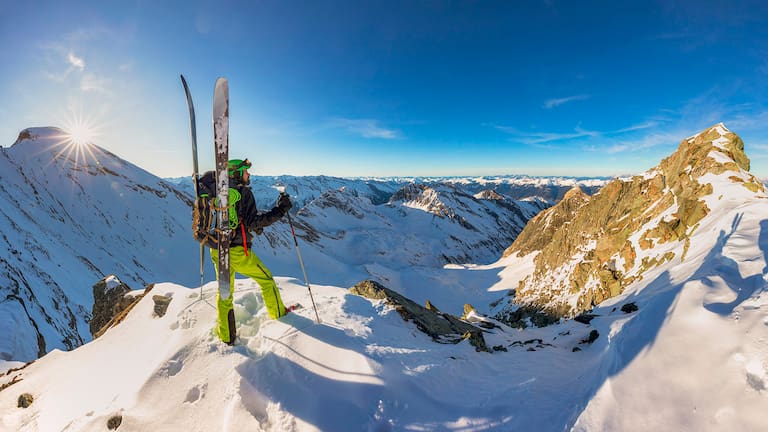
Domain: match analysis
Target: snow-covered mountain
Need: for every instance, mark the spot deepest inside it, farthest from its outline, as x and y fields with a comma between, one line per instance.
x=680, y=347
x=588, y=249
x=380, y=189
x=70, y=215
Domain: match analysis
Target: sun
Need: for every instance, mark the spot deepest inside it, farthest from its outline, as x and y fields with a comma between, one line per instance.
x=80, y=132
x=76, y=141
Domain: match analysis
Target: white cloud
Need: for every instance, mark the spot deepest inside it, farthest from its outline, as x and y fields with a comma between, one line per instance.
x=748, y=122
x=552, y=103
x=366, y=128
x=76, y=61
x=646, y=125
x=645, y=142
x=539, y=138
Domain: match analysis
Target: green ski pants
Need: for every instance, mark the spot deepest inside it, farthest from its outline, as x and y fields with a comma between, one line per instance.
x=247, y=265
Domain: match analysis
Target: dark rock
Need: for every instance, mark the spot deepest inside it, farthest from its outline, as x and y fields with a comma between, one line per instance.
x=593, y=335
x=629, y=307
x=108, y=300
x=520, y=317
x=585, y=318
x=120, y=316
x=161, y=304
x=114, y=422
x=441, y=327
x=576, y=349
x=25, y=400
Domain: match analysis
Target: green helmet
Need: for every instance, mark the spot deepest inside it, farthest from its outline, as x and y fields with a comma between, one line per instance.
x=235, y=167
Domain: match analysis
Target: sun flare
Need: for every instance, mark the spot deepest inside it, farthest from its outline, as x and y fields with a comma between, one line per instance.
x=77, y=139
x=81, y=135
x=80, y=132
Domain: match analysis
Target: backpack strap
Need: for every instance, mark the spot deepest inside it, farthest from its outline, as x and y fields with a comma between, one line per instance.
x=245, y=239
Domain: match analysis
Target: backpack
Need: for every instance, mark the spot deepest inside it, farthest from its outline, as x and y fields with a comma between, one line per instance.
x=204, y=223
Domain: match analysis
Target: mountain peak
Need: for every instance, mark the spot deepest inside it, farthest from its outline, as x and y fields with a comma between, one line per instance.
x=52, y=143
x=714, y=150
x=38, y=148
x=548, y=222
x=39, y=133
x=589, y=248
x=575, y=194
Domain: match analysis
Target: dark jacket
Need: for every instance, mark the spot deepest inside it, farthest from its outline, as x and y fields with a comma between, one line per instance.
x=249, y=215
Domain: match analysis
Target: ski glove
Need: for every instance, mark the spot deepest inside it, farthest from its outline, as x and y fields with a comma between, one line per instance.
x=284, y=202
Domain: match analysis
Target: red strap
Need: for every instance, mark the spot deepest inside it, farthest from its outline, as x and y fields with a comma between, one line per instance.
x=245, y=239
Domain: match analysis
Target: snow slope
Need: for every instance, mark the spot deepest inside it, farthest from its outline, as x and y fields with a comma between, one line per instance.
x=693, y=357
x=70, y=215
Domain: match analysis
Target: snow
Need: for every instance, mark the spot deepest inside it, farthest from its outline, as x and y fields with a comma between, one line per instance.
x=111, y=282
x=694, y=356
x=688, y=342
x=514, y=269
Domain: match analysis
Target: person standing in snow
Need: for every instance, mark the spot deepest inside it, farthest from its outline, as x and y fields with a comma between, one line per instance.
x=243, y=260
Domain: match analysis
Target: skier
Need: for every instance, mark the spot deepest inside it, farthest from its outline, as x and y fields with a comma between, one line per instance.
x=243, y=260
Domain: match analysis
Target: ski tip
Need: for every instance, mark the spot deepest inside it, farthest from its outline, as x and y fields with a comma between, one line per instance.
x=221, y=89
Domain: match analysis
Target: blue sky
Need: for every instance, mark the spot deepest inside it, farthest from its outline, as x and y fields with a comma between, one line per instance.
x=356, y=88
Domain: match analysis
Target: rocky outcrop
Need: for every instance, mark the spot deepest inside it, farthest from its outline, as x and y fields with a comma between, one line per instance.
x=120, y=316
x=25, y=400
x=161, y=304
x=108, y=300
x=441, y=327
x=587, y=248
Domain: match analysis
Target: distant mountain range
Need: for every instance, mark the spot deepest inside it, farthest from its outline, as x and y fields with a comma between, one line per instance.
x=516, y=187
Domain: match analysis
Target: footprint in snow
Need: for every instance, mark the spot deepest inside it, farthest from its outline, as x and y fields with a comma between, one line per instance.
x=196, y=393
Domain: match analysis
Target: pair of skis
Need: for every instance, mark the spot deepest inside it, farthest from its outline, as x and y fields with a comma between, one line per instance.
x=221, y=147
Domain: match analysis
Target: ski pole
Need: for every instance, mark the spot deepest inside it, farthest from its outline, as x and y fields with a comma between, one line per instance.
x=301, y=261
